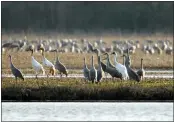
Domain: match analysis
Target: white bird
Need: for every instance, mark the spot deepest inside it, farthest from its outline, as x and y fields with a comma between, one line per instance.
x=121, y=68
x=47, y=63
x=35, y=64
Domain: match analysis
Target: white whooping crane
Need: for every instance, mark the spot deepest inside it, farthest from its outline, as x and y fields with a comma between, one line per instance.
x=121, y=68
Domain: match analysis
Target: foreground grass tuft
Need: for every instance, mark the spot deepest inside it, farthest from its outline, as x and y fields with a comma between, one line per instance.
x=76, y=89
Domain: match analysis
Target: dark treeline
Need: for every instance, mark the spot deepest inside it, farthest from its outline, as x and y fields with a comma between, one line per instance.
x=87, y=15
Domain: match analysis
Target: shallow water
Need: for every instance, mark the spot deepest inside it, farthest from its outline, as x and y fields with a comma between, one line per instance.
x=86, y=111
x=170, y=76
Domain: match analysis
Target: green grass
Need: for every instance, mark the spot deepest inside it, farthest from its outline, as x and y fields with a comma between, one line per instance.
x=77, y=89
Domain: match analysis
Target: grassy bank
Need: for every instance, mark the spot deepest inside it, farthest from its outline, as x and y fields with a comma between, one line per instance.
x=76, y=89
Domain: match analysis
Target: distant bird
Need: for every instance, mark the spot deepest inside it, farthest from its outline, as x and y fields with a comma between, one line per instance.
x=16, y=72
x=47, y=63
x=141, y=71
x=60, y=67
x=92, y=72
x=121, y=68
x=85, y=70
x=169, y=51
x=157, y=48
x=132, y=74
x=35, y=64
x=90, y=47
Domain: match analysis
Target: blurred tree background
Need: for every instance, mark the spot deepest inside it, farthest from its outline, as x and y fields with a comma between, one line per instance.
x=88, y=15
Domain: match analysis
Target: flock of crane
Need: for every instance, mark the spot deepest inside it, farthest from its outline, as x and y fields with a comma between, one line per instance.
x=79, y=46
x=118, y=70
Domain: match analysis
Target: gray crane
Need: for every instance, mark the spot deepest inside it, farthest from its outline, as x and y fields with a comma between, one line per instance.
x=132, y=74
x=16, y=72
x=99, y=70
x=85, y=70
x=141, y=71
x=108, y=63
x=92, y=71
x=112, y=71
x=90, y=47
x=128, y=59
x=60, y=67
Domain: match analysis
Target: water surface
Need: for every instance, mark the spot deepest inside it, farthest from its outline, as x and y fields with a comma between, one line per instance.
x=87, y=111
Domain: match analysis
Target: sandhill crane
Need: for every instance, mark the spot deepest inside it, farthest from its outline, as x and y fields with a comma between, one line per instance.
x=85, y=70
x=141, y=71
x=99, y=70
x=90, y=47
x=128, y=59
x=16, y=72
x=169, y=51
x=47, y=63
x=108, y=63
x=98, y=55
x=92, y=71
x=157, y=48
x=35, y=64
x=112, y=71
x=132, y=74
x=121, y=68
x=60, y=67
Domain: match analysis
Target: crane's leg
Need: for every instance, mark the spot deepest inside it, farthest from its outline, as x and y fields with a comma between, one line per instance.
x=106, y=75
x=60, y=75
x=47, y=75
x=36, y=76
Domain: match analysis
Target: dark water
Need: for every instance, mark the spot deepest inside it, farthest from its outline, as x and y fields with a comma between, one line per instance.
x=87, y=111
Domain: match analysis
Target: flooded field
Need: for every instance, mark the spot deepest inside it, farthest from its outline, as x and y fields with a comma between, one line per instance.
x=150, y=73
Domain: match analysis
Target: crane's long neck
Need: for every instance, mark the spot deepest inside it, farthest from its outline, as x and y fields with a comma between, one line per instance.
x=92, y=61
x=57, y=59
x=10, y=61
x=43, y=53
x=99, y=61
x=115, y=59
x=85, y=62
x=31, y=52
x=108, y=60
x=124, y=60
x=141, y=64
x=11, y=64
